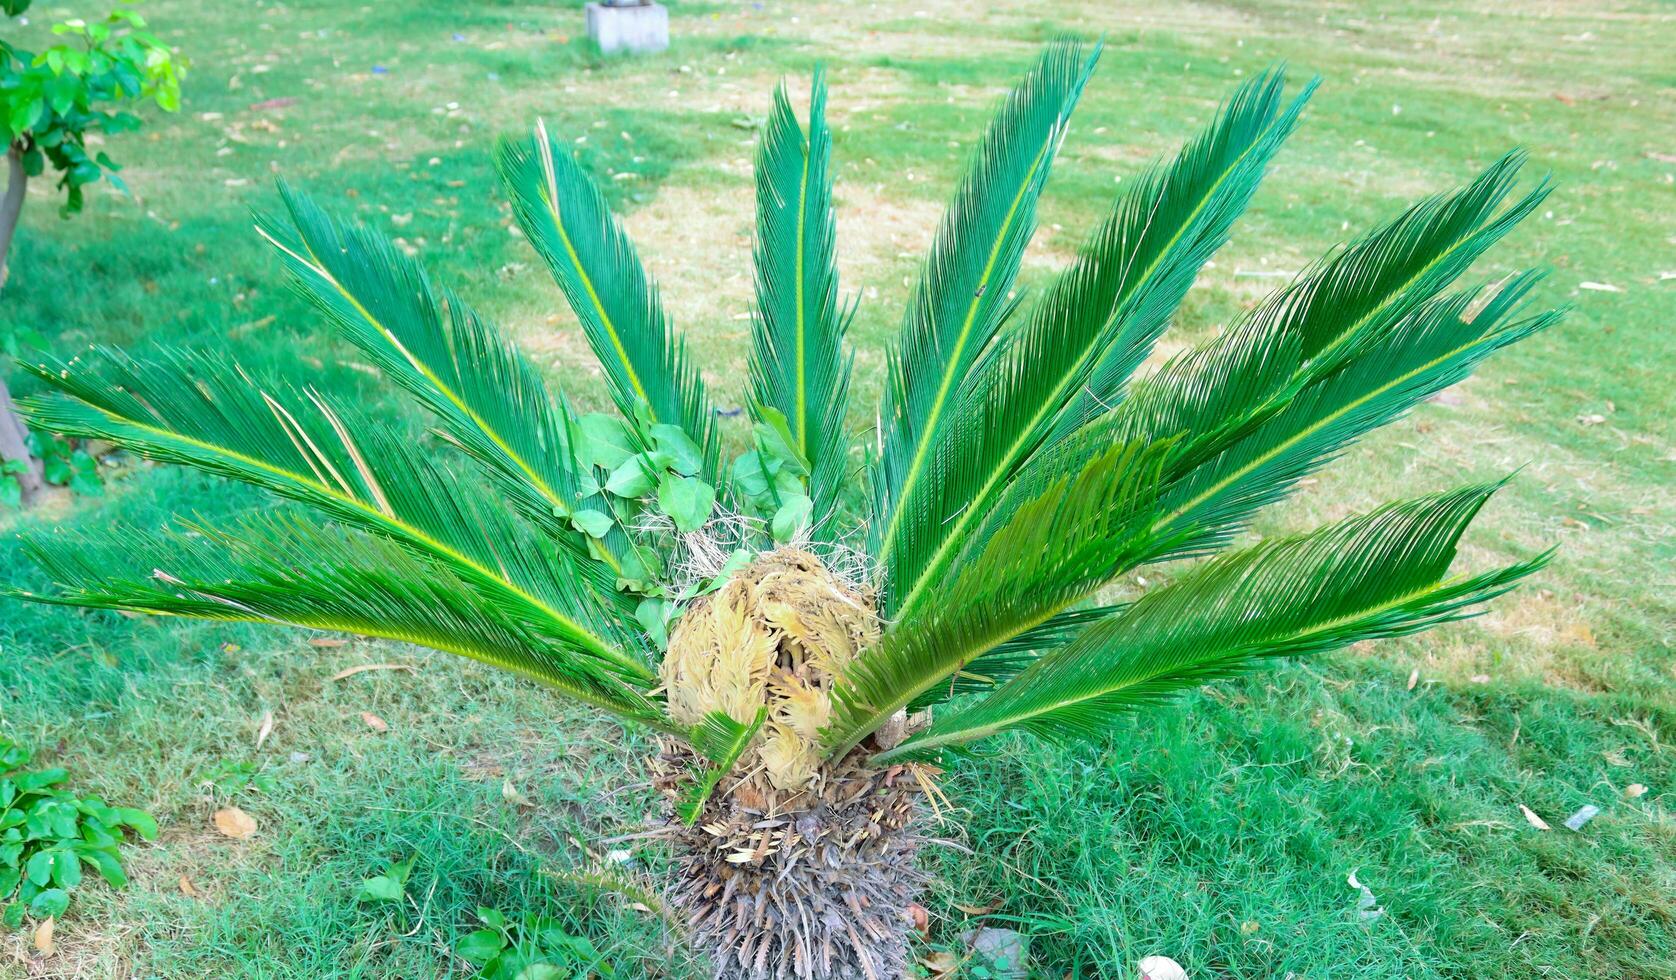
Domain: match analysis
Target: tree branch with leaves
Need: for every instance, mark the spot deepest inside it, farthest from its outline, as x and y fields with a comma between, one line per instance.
x=51, y=103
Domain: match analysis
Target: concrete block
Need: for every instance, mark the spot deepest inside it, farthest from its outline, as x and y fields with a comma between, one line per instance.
x=639, y=28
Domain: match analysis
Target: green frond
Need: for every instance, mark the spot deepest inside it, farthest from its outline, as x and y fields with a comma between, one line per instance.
x=1215, y=491
x=489, y=398
x=797, y=361
x=1077, y=520
x=1307, y=329
x=281, y=569
x=565, y=217
x=1094, y=325
x=962, y=299
x=204, y=411
x=1370, y=577
x=721, y=741
x=1007, y=659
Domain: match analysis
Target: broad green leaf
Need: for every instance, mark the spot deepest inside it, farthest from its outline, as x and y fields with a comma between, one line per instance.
x=382, y=888
x=604, y=440
x=49, y=904
x=480, y=947
x=142, y=822
x=636, y=477
x=594, y=523
x=686, y=500
x=792, y=517
x=683, y=454
x=653, y=616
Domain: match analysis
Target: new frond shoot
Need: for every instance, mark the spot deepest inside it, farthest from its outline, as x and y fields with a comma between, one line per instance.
x=808, y=614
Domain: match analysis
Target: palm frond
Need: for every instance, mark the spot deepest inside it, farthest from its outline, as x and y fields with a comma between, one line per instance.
x=1094, y=325
x=279, y=568
x=1434, y=346
x=565, y=217
x=489, y=398
x=797, y=362
x=721, y=741
x=203, y=410
x=1306, y=330
x=1080, y=520
x=1375, y=576
x=962, y=297
x=1007, y=659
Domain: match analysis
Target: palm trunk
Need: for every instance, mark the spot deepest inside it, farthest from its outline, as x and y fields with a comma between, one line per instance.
x=14, y=438
x=813, y=885
x=798, y=867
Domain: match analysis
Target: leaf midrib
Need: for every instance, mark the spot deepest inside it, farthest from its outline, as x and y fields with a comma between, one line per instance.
x=929, y=429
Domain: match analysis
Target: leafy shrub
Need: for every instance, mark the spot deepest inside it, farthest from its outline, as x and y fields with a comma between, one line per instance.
x=533, y=947
x=52, y=99
x=47, y=833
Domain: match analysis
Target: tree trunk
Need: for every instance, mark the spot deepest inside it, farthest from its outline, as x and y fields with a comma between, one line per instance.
x=13, y=436
x=11, y=206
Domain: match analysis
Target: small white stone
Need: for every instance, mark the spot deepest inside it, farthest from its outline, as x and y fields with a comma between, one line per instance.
x=1161, y=968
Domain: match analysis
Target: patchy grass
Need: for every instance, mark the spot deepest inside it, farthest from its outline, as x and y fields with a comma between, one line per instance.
x=1219, y=831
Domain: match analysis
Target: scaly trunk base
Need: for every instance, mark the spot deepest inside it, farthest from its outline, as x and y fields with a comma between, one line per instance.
x=812, y=885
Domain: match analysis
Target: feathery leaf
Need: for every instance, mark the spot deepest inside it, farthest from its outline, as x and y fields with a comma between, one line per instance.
x=1434, y=346
x=797, y=363
x=490, y=399
x=1094, y=325
x=204, y=411
x=721, y=741
x=962, y=298
x=565, y=217
x=279, y=568
x=1080, y=520
x=1306, y=330
x=1370, y=577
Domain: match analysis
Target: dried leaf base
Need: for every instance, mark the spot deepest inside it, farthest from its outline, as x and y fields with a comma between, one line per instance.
x=813, y=885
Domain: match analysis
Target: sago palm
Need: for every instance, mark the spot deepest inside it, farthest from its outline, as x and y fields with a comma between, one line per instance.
x=811, y=626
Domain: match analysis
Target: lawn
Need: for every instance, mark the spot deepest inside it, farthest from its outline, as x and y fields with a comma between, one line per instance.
x=1221, y=830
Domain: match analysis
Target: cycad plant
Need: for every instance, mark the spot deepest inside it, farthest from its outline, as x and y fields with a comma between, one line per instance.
x=811, y=627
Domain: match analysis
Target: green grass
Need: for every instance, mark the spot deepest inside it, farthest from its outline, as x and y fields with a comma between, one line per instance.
x=1220, y=830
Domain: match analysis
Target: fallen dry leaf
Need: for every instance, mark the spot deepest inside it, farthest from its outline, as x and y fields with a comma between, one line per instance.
x=363, y=668
x=941, y=963
x=328, y=643
x=43, y=937
x=1532, y=819
x=1634, y=790
x=920, y=919
x=374, y=722
x=265, y=729
x=1413, y=678
x=235, y=823
x=186, y=887
x=510, y=794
